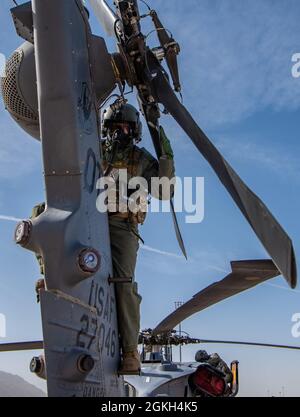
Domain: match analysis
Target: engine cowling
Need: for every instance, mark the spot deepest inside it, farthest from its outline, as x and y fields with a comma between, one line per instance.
x=19, y=85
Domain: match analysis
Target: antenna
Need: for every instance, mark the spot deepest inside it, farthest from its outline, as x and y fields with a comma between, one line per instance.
x=177, y=305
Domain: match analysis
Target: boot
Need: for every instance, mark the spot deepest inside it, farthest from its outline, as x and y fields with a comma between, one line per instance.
x=131, y=364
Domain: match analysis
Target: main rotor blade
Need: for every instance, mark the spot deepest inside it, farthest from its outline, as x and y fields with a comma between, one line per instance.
x=151, y=117
x=105, y=16
x=227, y=342
x=273, y=237
x=14, y=347
x=177, y=230
x=244, y=275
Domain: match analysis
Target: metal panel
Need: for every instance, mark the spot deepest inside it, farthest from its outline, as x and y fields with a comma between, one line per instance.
x=22, y=17
x=71, y=222
x=74, y=329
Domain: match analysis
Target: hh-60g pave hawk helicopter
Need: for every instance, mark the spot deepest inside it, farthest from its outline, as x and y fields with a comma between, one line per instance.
x=54, y=85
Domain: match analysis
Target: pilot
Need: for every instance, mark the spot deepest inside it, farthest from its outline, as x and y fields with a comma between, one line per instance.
x=215, y=361
x=121, y=132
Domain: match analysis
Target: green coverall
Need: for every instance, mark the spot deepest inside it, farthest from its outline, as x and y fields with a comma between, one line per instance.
x=124, y=236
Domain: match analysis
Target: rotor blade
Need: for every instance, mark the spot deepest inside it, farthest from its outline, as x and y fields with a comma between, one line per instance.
x=227, y=342
x=273, y=237
x=177, y=230
x=105, y=16
x=151, y=116
x=244, y=275
x=14, y=347
x=171, y=48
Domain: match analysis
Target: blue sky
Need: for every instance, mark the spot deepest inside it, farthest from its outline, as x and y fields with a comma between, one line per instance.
x=236, y=75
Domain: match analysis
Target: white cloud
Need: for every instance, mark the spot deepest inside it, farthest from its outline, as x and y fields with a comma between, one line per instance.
x=19, y=154
x=277, y=160
x=236, y=56
x=208, y=260
x=10, y=218
x=160, y=252
x=203, y=264
x=280, y=287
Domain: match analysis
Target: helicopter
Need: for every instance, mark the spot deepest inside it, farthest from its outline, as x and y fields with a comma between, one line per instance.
x=160, y=375
x=80, y=336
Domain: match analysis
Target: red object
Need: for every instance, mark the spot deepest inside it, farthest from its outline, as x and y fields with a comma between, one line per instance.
x=207, y=381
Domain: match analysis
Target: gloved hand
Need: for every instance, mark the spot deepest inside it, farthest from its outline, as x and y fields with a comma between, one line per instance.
x=165, y=145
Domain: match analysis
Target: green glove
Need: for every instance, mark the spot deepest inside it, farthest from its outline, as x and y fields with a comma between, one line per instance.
x=165, y=144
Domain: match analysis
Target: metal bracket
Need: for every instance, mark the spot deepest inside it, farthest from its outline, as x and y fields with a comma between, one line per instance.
x=120, y=280
x=23, y=20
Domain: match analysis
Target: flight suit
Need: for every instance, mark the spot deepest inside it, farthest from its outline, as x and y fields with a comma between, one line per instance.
x=124, y=234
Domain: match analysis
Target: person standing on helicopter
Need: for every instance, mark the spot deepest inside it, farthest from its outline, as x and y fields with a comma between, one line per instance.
x=121, y=132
